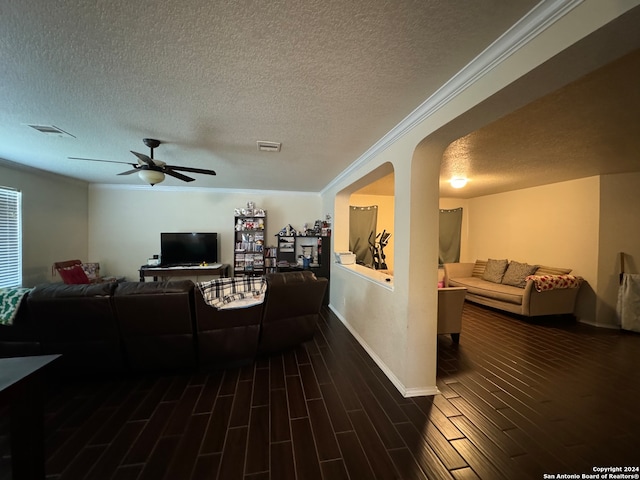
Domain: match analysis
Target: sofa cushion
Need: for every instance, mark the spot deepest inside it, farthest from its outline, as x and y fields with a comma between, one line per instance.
x=483, y=288
x=74, y=275
x=91, y=270
x=156, y=323
x=291, y=309
x=543, y=270
x=517, y=273
x=47, y=291
x=478, y=268
x=79, y=322
x=494, y=270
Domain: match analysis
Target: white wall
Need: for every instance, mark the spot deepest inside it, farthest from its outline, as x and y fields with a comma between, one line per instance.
x=554, y=225
x=54, y=220
x=125, y=223
x=395, y=323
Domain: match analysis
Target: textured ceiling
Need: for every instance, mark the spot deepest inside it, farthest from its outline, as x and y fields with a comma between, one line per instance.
x=327, y=78
x=210, y=78
x=589, y=127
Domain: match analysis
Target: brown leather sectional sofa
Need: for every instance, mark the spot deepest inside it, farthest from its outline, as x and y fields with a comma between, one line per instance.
x=157, y=326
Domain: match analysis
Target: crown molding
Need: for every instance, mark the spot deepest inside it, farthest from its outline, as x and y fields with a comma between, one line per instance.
x=540, y=18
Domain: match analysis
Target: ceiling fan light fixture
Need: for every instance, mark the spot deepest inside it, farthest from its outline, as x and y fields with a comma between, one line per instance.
x=458, y=182
x=151, y=176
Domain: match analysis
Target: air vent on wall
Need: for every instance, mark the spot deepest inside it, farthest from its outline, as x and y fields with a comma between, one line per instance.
x=51, y=130
x=268, y=146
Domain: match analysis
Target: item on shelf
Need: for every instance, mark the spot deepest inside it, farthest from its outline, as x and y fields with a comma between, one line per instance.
x=326, y=226
x=287, y=231
x=249, y=211
x=345, y=258
x=307, y=255
x=287, y=244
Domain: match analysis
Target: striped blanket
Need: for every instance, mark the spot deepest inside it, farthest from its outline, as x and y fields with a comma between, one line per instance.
x=221, y=292
x=10, y=299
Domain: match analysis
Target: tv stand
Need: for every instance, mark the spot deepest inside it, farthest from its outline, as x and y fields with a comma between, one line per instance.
x=220, y=269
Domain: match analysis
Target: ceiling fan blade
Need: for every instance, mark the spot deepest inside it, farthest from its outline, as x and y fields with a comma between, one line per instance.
x=168, y=171
x=129, y=172
x=97, y=160
x=144, y=158
x=191, y=169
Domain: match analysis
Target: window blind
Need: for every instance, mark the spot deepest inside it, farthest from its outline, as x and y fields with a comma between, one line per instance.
x=10, y=238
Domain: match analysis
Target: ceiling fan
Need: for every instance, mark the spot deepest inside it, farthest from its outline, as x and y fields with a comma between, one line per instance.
x=151, y=170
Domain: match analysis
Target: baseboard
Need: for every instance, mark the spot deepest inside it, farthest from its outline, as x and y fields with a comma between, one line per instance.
x=405, y=392
x=599, y=325
x=422, y=392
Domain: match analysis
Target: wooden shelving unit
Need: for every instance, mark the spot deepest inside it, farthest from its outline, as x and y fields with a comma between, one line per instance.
x=249, y=253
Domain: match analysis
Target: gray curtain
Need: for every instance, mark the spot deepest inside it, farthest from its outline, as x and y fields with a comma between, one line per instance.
x=450, y=234
x=362, y=226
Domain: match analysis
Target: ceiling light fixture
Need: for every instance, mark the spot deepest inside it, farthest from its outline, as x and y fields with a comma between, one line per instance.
x=458, y=182
x=151, y=176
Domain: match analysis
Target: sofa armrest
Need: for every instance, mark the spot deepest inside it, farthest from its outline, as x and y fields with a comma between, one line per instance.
x=549, y=302
x=457, y=270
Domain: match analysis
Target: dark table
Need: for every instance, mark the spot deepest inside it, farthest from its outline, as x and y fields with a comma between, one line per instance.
x=221, y=269
x=21, y=389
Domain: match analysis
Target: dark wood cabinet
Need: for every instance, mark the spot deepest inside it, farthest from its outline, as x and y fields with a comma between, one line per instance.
x=292, y=250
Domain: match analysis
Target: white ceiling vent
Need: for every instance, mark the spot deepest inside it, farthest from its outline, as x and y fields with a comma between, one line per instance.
x=268, y=146
x=51, y=130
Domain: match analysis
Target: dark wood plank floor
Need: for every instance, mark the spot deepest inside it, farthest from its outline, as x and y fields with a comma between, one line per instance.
x=519, y=399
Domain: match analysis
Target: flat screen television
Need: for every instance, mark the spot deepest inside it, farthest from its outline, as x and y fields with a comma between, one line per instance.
x=188, y=248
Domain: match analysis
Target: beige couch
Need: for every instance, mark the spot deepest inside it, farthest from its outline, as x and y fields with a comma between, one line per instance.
x=523, y=300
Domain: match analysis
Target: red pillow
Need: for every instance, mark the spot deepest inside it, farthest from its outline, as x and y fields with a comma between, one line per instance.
x=73, y=275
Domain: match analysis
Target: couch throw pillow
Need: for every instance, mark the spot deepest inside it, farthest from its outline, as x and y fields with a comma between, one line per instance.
x=542, y=270
x=494, y=270
x=92, y=270
x=74, y=275
x=517, y=274
x=478, y=268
